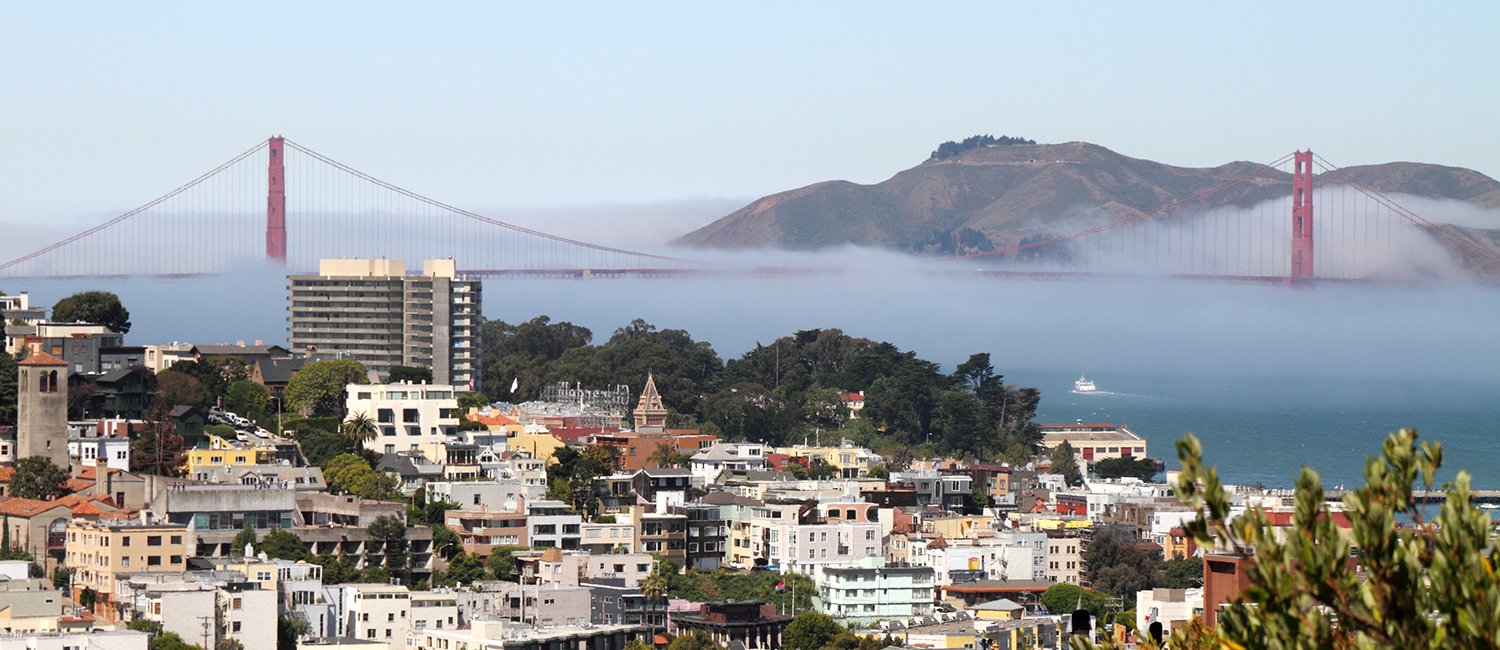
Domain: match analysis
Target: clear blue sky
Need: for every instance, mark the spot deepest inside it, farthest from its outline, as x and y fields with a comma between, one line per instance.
x=493, y=104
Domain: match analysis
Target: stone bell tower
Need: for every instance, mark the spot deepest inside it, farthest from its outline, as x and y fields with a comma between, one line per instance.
x=42, y=408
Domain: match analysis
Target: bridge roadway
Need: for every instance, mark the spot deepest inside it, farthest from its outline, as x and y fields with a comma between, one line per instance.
x=781, y=271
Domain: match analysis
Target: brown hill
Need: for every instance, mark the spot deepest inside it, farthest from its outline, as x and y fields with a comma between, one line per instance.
x=1006, y=193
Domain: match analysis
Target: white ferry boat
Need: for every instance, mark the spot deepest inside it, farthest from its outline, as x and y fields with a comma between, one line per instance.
x=1084, y=385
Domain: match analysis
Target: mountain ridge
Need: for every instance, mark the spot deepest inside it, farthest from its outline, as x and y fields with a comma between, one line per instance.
x=995, y=196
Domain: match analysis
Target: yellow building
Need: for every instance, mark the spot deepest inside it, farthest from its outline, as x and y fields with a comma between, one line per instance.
x=852, y=461
x=102, y=552
x=537, y=441
x=217, y=451
x=960, y=527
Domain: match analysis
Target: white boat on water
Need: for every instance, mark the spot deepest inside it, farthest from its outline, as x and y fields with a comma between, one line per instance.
x=1084, y=385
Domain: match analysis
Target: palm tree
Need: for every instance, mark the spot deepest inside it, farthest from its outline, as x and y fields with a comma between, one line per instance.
x=653, y=588
x=359, y=428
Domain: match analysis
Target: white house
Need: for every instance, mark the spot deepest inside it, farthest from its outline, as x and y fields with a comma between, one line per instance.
x=407, y=416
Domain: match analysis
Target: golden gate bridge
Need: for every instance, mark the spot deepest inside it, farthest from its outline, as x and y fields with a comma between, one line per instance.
x=284, y=202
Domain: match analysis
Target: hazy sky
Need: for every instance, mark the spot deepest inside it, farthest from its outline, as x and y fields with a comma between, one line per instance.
x=489, y=105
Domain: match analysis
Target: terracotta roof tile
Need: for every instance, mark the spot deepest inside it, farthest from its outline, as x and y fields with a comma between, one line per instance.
x=40, y=358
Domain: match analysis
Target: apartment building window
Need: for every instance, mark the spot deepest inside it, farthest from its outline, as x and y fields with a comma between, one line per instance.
x=153, y=560
x=235, y=627
x=236, y=603
x=153, y=540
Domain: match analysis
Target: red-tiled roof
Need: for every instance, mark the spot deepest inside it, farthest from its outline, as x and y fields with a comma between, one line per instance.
x=852, y=397
x=6, y=474
x=40, y=358
x=27, y=508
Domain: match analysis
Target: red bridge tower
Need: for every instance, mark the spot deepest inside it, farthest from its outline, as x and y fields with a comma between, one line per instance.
x=1302, y=216
x=276, y=203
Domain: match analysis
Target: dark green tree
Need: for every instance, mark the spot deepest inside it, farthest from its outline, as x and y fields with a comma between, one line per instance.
x=245, y=537
x=1117, y=563
x=37, y=478
x=525, y=354
x=389, y=551
x=318, y=388
x=336, y=569
x=810, y=631
x=413, y=374
x=8, y=395
x=1183, y=573
x=290, y=628
x=502, y=565
x=694, y=639
x=250, y=400
x=175, y=387
x=283, y=545
x=1064, y=597
x=1065, y=462
x=99, y=307
x=1145, y=469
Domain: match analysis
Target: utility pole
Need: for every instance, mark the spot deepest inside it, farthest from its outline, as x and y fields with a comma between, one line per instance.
x=207, y=626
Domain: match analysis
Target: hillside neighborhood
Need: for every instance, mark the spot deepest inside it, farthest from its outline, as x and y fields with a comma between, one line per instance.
x=176, y=495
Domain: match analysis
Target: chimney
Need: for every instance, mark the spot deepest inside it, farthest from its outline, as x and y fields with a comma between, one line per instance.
x=258, y=343
x=101, y=479
x=310, y=351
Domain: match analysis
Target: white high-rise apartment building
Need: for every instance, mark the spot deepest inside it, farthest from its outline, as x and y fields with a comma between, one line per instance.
x=373, y=311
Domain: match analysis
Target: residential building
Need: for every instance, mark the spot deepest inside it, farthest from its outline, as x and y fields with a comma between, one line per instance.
x=76, y=640
x=373, y=311
x=754, y=624
x=802, y=537
x=1172, y=608
x=79, y=346
x=615, y=602
x=543, y=605
x=481, y=531
x=494, y=494
x=607, y=538
x=434, y=610
x=407, y=416
x=103, y=552
x=636, y=449
x=1065, y=558
x=497, y=634
x=870, y=591
x=710, y=461
x=220, y=452
x=204, y=607
x=852, y=461
x=94, y=440
x=163, y=356
x=707, y=535
x=553, y=524
x=377, y=612
x=660, y=533
x=946, y=491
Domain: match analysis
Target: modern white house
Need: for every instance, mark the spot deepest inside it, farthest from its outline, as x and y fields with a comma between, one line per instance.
x=710, y=461
x=407, y=416
x=870, y=591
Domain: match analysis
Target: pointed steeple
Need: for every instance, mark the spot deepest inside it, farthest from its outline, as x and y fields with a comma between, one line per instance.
x=650, y=412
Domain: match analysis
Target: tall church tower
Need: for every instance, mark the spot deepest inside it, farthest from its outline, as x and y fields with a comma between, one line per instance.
x=42, y=408
x=650, y=413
